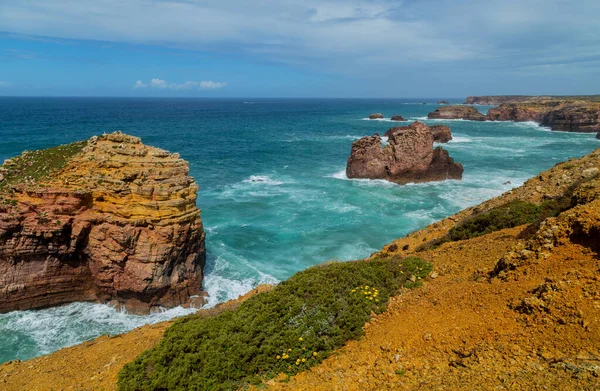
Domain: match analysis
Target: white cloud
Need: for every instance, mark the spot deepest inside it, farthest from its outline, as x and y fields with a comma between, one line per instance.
x=188, y=85
x=212, y=84
x=140, y=84
x=350, y=35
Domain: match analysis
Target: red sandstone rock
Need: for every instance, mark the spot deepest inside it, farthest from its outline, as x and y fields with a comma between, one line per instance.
x=376, y=116
x=457, y=112
x=118, y=224
x=568, y=116
x=441, y=133
x=408, y=157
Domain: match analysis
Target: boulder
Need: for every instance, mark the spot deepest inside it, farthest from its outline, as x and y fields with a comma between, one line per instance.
x=408, y=157
x=376, y=116
x=441, y=133
x=456, y=112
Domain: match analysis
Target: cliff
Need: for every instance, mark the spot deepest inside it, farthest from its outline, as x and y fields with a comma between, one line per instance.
x=496, y=100
x=408, y=157
x=567, y=116
x=513, y=308
x=107, y=220
x=560, y=115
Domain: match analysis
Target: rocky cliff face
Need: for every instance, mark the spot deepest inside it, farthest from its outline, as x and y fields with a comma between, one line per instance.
x=568, y=116
x=111, y=221
x=408, y=157
x=457, y=112
x=496, y=100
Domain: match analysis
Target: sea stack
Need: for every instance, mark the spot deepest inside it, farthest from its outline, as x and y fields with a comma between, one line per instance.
x=408, y=157
x=109, y=220
x=457, y=112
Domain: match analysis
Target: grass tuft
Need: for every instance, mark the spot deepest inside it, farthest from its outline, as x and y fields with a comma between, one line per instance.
x=33, y=166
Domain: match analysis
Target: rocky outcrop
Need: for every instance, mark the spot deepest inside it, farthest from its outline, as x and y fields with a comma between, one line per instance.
x=398, y=118
x=496, y=100
x=501, y=99
x=376, y=116
x=568, y=116
x=598, y=135
x=457, y=112
x=441, y=133
x=408, y=157
x=443, y=102
x=116, y=222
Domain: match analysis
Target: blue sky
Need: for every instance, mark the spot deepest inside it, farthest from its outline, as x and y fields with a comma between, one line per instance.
x=289, y=48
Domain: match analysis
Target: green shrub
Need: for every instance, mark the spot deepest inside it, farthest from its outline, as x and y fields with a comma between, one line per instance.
x=293, y=327
x=510, y=215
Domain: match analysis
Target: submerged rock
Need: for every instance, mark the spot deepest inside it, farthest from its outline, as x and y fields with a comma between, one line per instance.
x=408, y=157
x=456, y=112
x=116, y=223
x=376, y=116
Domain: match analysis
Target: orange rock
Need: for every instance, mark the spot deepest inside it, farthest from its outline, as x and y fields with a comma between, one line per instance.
x=118, y=223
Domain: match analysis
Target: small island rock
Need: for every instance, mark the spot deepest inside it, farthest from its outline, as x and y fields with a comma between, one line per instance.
x=398, y=118
x=457, y=112
x=376, y=116
x=408, y=157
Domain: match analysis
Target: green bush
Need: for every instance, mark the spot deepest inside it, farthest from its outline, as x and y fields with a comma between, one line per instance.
x=289, y=329
x=510, y=215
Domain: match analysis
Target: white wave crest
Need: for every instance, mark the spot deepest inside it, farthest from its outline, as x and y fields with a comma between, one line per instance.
x=262, y=180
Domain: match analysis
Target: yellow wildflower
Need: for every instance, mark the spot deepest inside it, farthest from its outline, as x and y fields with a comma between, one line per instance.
x=300, y=339
x=315, y=354
x=303, y=360
x=289, y=350
x=278, y=357
x=376, y=300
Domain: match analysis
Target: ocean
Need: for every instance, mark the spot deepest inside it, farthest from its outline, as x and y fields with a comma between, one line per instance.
x=273, y=191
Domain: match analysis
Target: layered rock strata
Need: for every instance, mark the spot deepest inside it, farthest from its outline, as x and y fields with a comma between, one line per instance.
x=408, y=157
x=457, y=112
x=116, y=223
x=566, y=116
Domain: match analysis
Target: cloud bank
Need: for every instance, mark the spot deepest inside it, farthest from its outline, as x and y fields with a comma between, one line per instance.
x=188, y=85
x=350, y=35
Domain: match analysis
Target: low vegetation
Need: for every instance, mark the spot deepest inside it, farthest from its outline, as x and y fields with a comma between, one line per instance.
x=287, y=330
x=509, y=215
x=33, y=166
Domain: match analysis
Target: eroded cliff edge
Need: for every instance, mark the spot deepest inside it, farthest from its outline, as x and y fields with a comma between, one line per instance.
x=107, y=220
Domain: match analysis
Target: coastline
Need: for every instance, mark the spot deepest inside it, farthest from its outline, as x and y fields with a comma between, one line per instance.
x=459, y=287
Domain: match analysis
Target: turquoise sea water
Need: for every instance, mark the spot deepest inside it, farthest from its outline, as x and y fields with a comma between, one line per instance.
x=273, y=192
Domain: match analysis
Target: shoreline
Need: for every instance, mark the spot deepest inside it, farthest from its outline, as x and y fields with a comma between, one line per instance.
x=533, y=190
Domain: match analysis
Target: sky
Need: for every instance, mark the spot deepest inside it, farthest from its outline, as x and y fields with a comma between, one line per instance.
x=307, y=48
